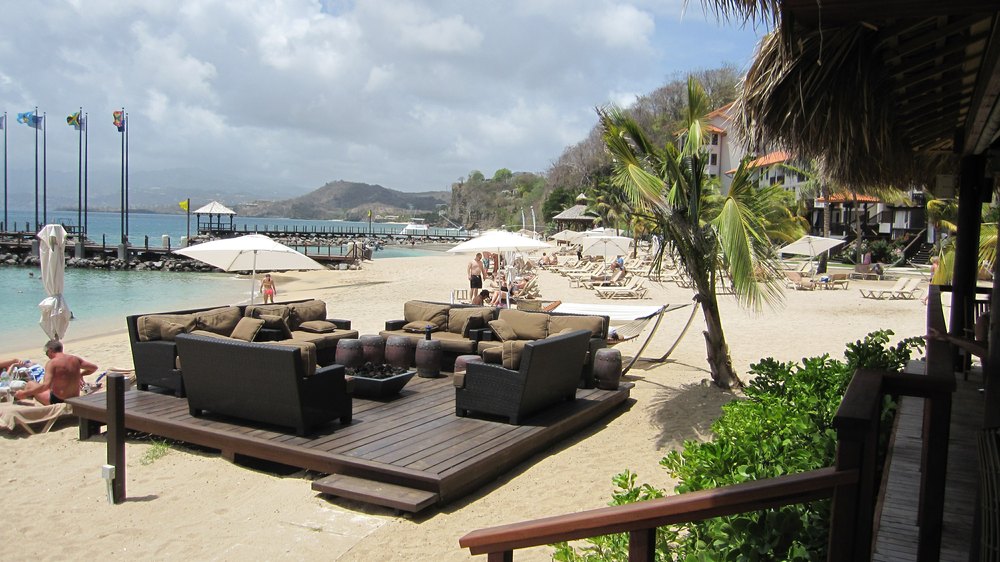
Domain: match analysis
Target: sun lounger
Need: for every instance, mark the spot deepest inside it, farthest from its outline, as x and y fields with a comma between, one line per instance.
x=880, y=294
x=909, y=290
x=795, y=280
x=634, y=291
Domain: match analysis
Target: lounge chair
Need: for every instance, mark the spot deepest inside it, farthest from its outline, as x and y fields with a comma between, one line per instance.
x=880, y=294
x=634, y=291
x=795, y=280
x=909, y=290
x=617, y=279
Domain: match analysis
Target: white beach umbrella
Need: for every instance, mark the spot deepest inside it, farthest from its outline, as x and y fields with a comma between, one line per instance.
x=55, y=312
x=570, y=236
x=499, y=241
x=249, y=253
x=810, y=246
x=605, y=246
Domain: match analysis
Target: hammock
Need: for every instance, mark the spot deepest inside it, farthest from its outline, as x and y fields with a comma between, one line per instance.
x=632, y=319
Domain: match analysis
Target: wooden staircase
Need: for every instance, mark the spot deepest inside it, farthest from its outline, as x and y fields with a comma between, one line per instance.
x=394, y=496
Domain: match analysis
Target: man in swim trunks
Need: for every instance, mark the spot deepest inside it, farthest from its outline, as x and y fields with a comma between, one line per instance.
x=475, y=271
x=63, y=376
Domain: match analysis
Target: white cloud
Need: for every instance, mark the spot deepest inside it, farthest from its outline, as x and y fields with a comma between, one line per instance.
x=410, y=94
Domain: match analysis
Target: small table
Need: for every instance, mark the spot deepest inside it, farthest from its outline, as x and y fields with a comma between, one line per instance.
x=428, y=359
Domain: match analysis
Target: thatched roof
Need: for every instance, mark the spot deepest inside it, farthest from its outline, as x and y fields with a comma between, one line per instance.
x=575, y=213
x=887, y=94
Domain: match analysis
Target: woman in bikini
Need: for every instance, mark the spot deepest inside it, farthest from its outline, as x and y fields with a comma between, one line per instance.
x=268, y=289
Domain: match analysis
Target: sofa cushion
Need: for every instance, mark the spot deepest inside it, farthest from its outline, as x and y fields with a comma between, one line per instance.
x=459, y=319
x=595, y=324
x=454, y=343
x=510, y=356
x=246, y=329
x=258, y=310
x=272, y=322
x=487, y=344
x=325, y=341
x=318, y=326
x=419, y=311
x=527, y=325
x=419, y=327
x=306, y=349
x=503, y=330
x=150, y=327
x=493, y=355
x=218, y=320
x=299, y=312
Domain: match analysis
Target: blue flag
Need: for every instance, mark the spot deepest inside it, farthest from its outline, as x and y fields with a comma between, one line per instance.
x=30, y=119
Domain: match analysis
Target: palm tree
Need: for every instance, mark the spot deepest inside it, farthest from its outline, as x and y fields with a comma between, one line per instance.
x=669, y=186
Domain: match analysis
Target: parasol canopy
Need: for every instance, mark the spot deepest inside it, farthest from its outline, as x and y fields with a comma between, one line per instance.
x=499, y=241
x=55, y=312
x=605, y=246
x=810, y=246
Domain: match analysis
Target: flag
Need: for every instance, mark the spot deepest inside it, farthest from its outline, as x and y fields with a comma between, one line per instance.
x=119, y=121
x=369, y=213
x=3, y=121
x=75, y=120
x=184, y=204
x=30, y=119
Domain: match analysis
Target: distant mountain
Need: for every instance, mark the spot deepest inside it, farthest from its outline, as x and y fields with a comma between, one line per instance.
x=347, y=200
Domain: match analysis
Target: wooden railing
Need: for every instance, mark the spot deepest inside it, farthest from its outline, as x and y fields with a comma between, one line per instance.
x=852, y=482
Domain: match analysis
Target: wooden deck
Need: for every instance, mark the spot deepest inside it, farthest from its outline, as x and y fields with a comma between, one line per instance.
x=896, y=538
x=407, y=453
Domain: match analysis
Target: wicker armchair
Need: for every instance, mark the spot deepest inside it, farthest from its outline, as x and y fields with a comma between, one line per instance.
x=549, y=373
x=261, y=382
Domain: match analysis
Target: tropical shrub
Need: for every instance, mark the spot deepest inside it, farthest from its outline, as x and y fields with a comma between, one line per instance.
x=783, y=426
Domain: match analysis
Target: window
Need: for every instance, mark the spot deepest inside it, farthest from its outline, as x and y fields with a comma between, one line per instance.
x=713, y=159
x=715, y=138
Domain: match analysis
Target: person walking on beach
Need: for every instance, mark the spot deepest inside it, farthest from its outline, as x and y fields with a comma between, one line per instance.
x=268, y=289
x=63, y=377
x=475, y=271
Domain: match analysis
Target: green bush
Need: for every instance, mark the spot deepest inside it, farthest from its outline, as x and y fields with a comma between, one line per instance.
x=783, y=426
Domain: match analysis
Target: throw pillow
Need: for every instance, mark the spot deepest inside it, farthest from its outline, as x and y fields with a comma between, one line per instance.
x=593, y=324
x=169, y=330
x=527, y=325
x=246, y=329
x=318, y=327
x=458, y=318
x=218, y=320
x=277, y=323
x=301, y=312
x=430, y=313
x=418, y=326
x=503, y=330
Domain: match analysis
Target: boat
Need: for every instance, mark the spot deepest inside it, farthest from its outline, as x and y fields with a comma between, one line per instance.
x=415, y=226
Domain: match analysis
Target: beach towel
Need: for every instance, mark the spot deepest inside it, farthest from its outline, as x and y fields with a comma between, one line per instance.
x=28, y=417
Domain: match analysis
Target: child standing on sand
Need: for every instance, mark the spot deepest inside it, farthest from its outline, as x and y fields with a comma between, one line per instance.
x=268, y=289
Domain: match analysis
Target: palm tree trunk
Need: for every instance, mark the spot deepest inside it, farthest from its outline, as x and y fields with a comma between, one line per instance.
x=719, y=361
x=825, y=190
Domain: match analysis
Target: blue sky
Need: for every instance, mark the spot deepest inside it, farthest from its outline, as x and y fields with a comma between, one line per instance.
x=411, y=95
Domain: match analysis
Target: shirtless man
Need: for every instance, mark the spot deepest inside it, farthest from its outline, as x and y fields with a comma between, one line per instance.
x=63, y=375
x=475, y=271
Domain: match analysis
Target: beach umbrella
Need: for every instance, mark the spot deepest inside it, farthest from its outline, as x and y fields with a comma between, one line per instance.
x=249, y=253
x=605, y=246
x=499, y=241
x=811, y=246
x=570, y=236
x=55, y=312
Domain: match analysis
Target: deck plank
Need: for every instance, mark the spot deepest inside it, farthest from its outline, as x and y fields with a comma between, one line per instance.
x=414, y=442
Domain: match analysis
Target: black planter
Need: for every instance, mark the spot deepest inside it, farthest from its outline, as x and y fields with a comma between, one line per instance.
x=365, y=387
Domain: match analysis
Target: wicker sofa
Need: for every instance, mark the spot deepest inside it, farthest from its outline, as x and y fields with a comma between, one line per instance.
x=457, y=326
x=154, y=352
x=549, y=373
x=272, y=383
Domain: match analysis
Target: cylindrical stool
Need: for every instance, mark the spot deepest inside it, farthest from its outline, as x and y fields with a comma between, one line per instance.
x=607, y=368
x=463, y=361
x=399, y=351
x=350, y=353
x=428, y=357
x=374, y=347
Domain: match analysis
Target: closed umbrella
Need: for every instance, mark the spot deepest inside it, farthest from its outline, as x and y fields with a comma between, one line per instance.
x=605, y=246
x=249, y=253
x=55, y=312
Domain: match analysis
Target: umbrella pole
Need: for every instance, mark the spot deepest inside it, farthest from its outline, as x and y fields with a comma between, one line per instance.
x=253, y=275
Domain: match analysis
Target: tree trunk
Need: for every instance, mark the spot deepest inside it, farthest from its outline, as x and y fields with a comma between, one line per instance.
x=825, y=191
x=719, y=361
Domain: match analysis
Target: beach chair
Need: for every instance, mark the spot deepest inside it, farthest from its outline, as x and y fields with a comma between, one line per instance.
x=795, y=280
x=634, y=291
x=616, y=279
x=880, y=294
x=909, y=290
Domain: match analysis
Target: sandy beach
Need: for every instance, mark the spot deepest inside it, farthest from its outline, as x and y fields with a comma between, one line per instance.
x=191, y=503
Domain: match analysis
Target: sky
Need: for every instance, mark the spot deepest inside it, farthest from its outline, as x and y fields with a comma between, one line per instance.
x=291, y=94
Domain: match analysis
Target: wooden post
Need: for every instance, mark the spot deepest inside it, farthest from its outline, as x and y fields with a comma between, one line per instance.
x=116, y=434
x=642, y=545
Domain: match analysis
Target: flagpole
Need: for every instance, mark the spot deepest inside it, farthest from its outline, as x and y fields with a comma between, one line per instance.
x=79, y=173
x=86, y=151
x=126, y=178
x=37, y=225
x=121, y=212
x=6, y=225
x=45, y=168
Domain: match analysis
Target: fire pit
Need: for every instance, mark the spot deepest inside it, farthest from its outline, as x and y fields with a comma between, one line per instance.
x=378, y=381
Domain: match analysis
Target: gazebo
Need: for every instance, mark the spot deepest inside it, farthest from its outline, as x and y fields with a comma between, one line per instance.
x=577, y=217
x=213, y=222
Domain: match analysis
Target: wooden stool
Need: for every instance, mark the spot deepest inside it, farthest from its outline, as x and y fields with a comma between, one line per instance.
x=607, y=368
x=428, y=358
x=350, y=353
x=399, y=351
x=374, y=349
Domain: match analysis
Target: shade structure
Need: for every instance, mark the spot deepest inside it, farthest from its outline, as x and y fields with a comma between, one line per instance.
x=55, y=312
x=570, y=236
x=810, y=246
x=605, y=246
x=499, y=241
x=249, y=253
